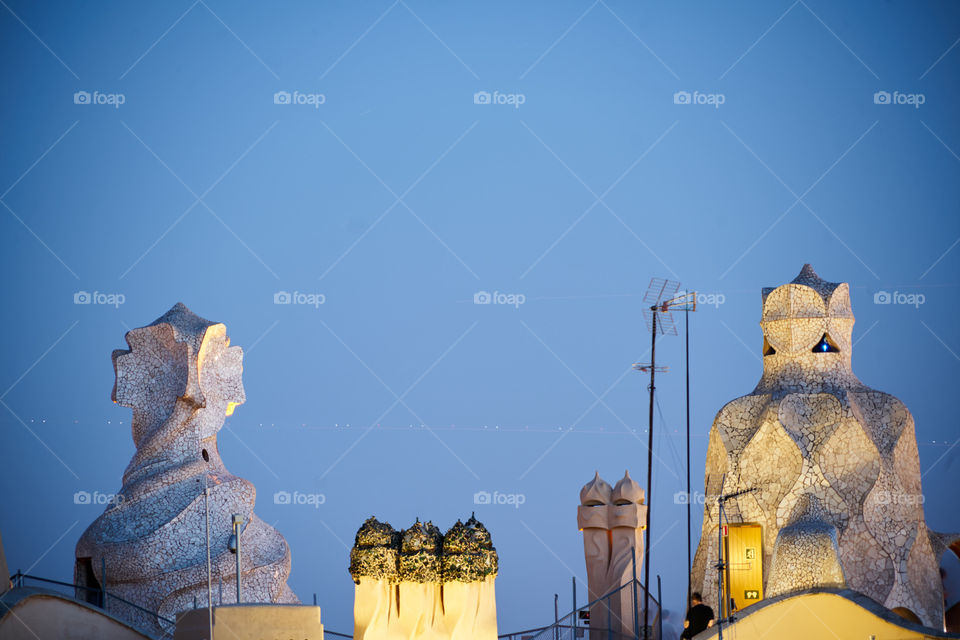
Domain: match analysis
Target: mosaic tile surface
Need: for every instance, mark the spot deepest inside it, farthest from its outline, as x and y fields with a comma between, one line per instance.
x=834, y=462
x=181, y=378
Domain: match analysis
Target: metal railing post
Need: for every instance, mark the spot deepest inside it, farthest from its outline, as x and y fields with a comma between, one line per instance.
x=575, y=613
x=556, y=616
x=659, y=610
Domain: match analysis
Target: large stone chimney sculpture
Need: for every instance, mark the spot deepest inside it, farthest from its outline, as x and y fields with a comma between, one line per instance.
x=612, y=521
x=182, y=378
x=834, y=464
x=419, y=585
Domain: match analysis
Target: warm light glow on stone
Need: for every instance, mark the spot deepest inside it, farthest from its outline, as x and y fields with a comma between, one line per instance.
x=181, y=377
x=834, y=464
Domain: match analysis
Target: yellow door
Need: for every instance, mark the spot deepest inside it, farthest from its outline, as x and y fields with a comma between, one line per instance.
x=744, y=557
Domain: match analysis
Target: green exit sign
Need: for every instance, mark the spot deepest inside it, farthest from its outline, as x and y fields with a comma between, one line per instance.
x=751, y=594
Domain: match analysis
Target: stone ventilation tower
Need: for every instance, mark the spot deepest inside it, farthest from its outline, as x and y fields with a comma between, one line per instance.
x=182, y=378
x=834, y=464
x=420, y=585
x=612, y=521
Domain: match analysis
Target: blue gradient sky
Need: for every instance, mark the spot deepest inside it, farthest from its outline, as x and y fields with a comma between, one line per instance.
x=797, y=165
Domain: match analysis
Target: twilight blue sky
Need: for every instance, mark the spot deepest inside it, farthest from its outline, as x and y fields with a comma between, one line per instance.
x=399, y=198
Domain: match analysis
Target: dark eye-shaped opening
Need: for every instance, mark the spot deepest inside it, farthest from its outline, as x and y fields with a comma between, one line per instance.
x=768, y=349
x=826, y=345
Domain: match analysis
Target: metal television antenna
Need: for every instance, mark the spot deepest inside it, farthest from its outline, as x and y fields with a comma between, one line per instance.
x=663, y=296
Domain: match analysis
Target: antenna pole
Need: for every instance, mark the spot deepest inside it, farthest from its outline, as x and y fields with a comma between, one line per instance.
x=664, y=298
x=646, y=551
x=686, y=314
x=206, y=516
x=720, y=567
